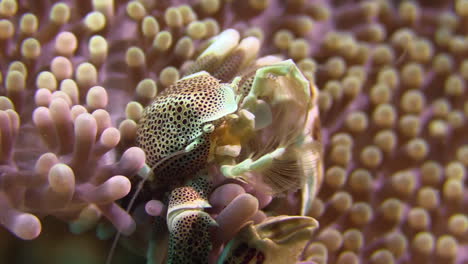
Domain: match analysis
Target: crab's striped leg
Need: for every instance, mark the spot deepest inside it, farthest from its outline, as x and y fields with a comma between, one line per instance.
x=214, y=54
x=189, y=226
x=226, y=56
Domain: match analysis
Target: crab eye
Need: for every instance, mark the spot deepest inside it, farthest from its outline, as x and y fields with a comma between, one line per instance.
x=208, y=128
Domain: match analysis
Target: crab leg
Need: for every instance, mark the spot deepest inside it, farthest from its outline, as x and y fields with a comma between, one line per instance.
x=216, y=52
x=235, y=171
x=238, y=59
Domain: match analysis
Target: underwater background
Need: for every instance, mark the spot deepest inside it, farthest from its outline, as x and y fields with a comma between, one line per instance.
x=393, y=103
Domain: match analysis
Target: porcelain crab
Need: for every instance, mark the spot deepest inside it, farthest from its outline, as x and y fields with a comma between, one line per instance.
x=232, y=117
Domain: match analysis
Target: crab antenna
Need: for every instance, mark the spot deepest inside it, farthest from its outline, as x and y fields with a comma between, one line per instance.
x=148, y=172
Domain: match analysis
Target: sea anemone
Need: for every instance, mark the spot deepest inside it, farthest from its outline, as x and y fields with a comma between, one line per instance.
x=75, y=76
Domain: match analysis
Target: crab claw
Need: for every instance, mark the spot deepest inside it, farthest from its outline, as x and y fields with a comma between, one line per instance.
x=189, y=238
x=189, y=226
x=278, y=239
